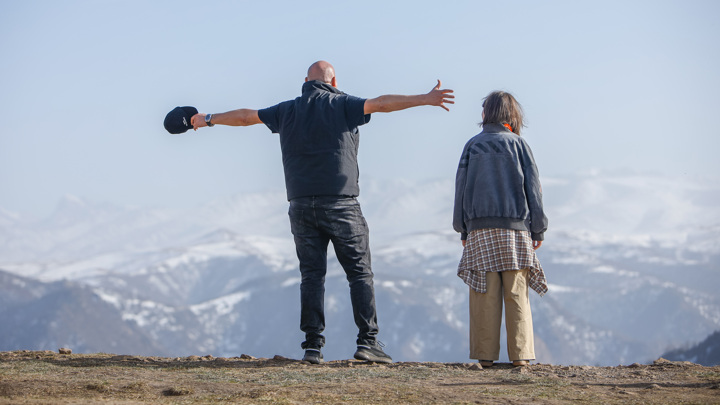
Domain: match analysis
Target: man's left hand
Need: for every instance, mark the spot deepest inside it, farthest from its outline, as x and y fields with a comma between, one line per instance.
x=438, y=97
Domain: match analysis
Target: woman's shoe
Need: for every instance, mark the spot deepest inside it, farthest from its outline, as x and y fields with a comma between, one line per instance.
x=520, y=363
x=486, y=363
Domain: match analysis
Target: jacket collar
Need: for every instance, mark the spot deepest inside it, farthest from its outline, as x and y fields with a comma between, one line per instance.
x=493, y=128
x=314, y=85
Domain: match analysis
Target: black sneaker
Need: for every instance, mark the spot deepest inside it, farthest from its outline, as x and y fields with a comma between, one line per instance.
x=373, y=353
x=313, y=356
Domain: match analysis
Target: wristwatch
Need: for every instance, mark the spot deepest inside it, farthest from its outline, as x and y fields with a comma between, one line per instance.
x=208, y=117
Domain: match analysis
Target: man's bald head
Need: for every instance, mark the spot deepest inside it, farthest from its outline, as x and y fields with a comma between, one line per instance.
x=322, y=71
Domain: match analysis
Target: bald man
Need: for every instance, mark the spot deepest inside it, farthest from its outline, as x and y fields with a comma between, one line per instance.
x=319, y=142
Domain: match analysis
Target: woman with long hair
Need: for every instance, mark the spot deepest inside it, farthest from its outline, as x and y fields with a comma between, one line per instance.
x=499, y=213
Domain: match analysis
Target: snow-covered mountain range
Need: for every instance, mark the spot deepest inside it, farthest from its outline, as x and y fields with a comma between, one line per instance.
x=632, y=262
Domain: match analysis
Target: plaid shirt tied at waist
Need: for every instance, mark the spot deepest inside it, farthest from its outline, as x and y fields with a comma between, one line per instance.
x=498, y=250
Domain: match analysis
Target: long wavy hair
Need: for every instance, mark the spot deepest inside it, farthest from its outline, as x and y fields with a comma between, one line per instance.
x=500, y=107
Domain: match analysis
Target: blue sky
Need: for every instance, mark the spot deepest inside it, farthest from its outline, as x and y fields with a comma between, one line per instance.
x=85, y=85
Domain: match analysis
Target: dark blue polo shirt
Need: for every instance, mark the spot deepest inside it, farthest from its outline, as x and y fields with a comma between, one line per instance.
x=319, y=139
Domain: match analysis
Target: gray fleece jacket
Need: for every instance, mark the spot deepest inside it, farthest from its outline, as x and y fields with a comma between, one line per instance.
x=497, y=185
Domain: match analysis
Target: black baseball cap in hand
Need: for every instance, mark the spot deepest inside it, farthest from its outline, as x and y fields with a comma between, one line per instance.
x=177, y=121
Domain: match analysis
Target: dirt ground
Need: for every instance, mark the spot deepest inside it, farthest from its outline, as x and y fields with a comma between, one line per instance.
x=28, y=377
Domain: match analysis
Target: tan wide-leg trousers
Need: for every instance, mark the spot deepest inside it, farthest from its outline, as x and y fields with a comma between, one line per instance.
x=486, y=317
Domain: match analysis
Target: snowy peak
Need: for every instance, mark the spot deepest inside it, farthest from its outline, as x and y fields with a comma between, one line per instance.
x=631, y=272
x=72, y=209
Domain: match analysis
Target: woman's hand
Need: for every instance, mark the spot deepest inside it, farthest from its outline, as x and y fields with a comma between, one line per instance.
x=537, y=244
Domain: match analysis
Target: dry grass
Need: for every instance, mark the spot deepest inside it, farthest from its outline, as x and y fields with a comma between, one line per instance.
x=47, y=377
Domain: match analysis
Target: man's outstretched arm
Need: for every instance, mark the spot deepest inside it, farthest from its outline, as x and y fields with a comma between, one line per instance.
x=393, y=102
x=236, y=118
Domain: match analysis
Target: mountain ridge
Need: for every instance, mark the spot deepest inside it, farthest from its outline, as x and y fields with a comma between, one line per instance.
x=224, y=281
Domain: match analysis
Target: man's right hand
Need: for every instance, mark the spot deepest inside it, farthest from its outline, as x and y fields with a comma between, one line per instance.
x=236, y=118
x=198, y=121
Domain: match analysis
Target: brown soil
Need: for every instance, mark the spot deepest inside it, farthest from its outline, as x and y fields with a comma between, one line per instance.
x=28, y=377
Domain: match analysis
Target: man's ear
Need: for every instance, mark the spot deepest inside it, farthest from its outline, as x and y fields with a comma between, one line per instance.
x=306, y=79
x=333, y=82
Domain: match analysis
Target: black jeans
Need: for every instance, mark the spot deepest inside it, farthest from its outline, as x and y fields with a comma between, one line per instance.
x=315, y=221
